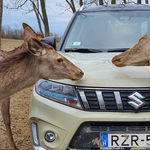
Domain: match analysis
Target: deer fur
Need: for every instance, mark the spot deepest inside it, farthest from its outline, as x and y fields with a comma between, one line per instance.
x=5, y=103
x=30, y=62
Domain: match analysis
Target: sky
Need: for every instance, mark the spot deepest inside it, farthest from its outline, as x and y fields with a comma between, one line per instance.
x=57, y=19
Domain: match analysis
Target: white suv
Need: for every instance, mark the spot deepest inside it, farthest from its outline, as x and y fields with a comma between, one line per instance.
x=109, y=108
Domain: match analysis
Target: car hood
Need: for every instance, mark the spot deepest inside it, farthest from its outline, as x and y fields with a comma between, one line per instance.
x=100, y=72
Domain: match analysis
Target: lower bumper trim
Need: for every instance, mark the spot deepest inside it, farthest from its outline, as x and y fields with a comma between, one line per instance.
x=38, y=148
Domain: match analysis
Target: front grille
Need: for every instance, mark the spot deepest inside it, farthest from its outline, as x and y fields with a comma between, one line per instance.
x=114, y=99
x=88, y=134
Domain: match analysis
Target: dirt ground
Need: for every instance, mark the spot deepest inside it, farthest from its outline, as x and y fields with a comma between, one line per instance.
x=19, y=110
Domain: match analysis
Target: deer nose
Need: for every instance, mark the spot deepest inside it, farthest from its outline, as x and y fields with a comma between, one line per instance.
x=82, y=73
x=117, y=60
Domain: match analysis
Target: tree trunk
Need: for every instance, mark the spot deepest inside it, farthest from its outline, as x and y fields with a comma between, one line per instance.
x=138, y=1
x=45, y=19
x=125, y=1
x=72, y=6
x=101, y=2
x=1, y=13
x=38, y=19
x=113, y=1
x=81, y=3
x=146, y=1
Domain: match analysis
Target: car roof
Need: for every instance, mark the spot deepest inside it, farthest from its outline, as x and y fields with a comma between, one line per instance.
x=115, y=7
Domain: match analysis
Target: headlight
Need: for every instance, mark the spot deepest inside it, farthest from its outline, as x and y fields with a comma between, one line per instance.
x=58, y=92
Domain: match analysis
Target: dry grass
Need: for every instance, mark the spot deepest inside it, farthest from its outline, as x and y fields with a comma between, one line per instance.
x=10, y=44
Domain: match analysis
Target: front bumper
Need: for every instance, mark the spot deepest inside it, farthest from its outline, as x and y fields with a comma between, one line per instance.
x=53, y=117
x=38, y=148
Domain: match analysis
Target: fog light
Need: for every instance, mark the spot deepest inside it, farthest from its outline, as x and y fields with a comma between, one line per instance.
x=50, y=137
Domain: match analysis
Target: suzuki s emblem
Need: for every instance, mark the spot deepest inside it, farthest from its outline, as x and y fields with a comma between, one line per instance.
x=137, y=101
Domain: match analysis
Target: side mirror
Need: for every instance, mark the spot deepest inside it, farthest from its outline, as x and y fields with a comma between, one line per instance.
x=51, y=40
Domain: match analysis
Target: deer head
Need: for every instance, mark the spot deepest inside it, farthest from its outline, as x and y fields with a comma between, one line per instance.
x=51, y=64
x=38, y=36
x=138, y=55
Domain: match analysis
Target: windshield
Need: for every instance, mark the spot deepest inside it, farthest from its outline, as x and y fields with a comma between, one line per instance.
x=109, y=30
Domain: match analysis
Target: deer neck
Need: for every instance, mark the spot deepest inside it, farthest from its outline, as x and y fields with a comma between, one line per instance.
x=18, y=75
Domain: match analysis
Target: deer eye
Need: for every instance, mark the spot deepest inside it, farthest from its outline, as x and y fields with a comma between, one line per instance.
x=59, y=60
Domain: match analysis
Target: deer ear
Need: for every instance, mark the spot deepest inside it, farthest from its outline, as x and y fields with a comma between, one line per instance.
x=27, y=34
x=35, y=47
x=26, y=25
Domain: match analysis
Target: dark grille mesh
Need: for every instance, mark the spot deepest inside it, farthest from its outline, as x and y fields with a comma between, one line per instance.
x=111, y=101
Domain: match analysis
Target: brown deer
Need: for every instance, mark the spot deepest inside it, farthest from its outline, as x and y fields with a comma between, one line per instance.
x=39, y=36
x=24, y=68
x=5, y=103
x=138, y=55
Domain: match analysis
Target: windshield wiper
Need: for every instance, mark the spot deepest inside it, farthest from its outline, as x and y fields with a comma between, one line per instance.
x=83, y=50
x=117, y=50
x=86, y=50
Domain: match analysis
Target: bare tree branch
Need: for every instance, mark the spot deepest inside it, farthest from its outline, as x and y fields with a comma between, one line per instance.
x=38, y=19
x=72, y=6
x=37, y=10
x=41, y=16
x=45, y=20
x=19, y=6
